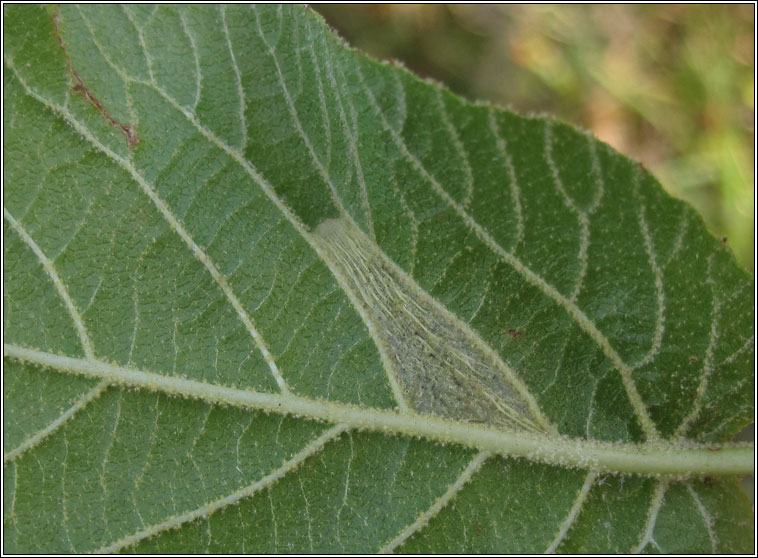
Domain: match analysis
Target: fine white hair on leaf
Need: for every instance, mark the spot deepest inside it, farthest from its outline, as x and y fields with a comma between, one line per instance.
x=437, y=363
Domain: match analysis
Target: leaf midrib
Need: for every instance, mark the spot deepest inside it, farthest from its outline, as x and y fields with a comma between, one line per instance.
x=649, y=458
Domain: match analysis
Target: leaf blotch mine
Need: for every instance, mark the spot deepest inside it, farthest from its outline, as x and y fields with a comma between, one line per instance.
x=440, y=365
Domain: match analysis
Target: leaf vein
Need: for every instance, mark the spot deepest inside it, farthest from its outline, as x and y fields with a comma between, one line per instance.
x=198, y=73
x=49, y=268
x=707, y=518
x=296, y=120
x=656, y=501
x=238, y=79
x=573, y=513
x=660, y=320
x=351, y=140
x=513, y=185
x=423, y=519
x=207, y=509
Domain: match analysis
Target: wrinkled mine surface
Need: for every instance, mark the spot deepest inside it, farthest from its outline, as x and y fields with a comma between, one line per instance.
x=441, y=365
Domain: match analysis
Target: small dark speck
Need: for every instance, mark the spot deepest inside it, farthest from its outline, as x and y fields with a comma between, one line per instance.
x=693, y=359
x=515, y=333
x=724, y=240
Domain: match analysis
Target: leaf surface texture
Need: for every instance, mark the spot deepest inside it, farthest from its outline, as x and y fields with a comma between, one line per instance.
x=229, y=197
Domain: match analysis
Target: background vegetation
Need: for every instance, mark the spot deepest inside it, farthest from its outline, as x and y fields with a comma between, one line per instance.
x=670, y=85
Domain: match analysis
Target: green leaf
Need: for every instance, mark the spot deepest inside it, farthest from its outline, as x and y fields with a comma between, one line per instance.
x=263, y=294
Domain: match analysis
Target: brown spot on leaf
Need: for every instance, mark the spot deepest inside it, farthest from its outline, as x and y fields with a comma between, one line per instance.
x=724, y=240
x=693, y=359
x=129, y=131
x=708, y=481
x=515, y=333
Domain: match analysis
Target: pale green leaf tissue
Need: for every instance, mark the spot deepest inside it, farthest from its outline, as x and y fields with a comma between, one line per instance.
x=264, y=294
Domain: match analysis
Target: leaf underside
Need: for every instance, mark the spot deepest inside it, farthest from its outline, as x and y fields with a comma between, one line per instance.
x=232, y=196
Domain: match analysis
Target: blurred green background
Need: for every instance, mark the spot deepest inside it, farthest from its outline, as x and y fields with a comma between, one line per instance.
x=669, y=85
